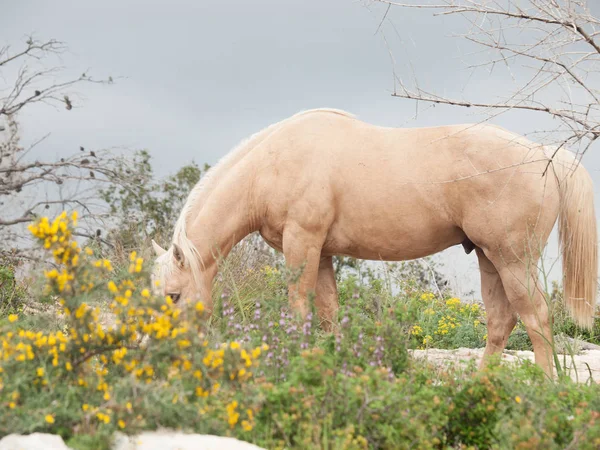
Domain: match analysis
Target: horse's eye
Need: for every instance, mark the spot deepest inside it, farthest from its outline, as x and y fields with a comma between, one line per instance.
x=174, y=297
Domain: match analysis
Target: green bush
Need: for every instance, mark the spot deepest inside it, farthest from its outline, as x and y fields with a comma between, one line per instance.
x=146, y=207
x=257, y=373
x=12, y=294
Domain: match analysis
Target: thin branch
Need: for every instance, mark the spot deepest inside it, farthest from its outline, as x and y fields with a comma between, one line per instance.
x=554, y=40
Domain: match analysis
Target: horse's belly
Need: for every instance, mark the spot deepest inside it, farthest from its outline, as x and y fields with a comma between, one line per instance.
x=272, y=237
x=394, y=243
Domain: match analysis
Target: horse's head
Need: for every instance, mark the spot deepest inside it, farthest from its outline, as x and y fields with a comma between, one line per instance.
x=173, y=274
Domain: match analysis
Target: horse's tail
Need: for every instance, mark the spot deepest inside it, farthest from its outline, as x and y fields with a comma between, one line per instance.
x=578, y=238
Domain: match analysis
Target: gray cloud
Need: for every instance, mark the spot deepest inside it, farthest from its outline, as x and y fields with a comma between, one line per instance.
x=200, y=76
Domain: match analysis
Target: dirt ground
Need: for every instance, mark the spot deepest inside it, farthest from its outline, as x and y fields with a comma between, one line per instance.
x=586, y=364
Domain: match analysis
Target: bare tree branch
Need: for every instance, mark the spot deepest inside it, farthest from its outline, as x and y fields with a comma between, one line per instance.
x=555, y=42
x=27, y=185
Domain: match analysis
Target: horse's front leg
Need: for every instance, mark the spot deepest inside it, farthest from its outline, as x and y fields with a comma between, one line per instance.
x=327, y=295
x=302, y=251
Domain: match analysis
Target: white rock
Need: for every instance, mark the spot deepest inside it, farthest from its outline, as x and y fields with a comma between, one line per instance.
x=169, y=440
x=582, y=367
x=34, y=441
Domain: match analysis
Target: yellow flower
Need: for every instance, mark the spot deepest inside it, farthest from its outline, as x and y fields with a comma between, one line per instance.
x=518, y=399
x=40, y=371
x=85, y=406
x=453, y=302
x=183, y=343
x=201, y=392
x=112, y=287
x=49, y=418
x=234, y=345
x=103, y=417
x=13, y=318
x=416, y=330
x=233, y=415
x=145, y=293
x=121, y=424
x=427, y=297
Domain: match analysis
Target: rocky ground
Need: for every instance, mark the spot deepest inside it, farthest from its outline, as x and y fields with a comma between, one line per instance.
x=583, y=366
x=154, y=440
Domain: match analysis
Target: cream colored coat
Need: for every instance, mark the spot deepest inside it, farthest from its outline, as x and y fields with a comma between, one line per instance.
x=323, y=183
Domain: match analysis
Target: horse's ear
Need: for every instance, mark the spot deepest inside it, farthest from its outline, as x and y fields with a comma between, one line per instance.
x=158, y=249
x=178, y=255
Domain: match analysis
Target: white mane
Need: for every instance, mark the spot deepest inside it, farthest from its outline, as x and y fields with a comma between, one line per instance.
x=180, y=236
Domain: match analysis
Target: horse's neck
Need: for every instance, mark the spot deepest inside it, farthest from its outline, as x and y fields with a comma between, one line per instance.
x=225, y=218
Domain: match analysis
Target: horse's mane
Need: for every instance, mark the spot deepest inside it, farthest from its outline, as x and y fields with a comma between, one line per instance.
x=212, y=176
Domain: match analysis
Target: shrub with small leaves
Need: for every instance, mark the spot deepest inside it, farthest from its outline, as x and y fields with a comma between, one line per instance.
x=125, y=360
x=112, y=376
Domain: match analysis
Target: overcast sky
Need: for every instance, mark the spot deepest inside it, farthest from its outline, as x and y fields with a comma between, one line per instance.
x=199, y=76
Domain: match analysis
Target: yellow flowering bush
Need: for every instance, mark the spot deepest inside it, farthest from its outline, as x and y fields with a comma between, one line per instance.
x=447, y=323
x=116, y=364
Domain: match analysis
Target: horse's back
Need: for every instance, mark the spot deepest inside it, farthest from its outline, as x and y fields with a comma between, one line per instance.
x=386, y=189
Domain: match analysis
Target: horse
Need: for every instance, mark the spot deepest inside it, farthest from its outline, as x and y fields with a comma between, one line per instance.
x=323, y=183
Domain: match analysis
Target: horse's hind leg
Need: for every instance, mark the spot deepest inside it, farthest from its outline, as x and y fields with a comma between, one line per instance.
x=326, y=301
x=501, y=317
x=522, y=288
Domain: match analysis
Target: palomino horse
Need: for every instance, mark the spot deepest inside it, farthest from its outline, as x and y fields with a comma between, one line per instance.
x=322, y=183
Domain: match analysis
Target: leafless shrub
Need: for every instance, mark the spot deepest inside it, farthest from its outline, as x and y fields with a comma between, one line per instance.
x=31, y=186
x=554, y=46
